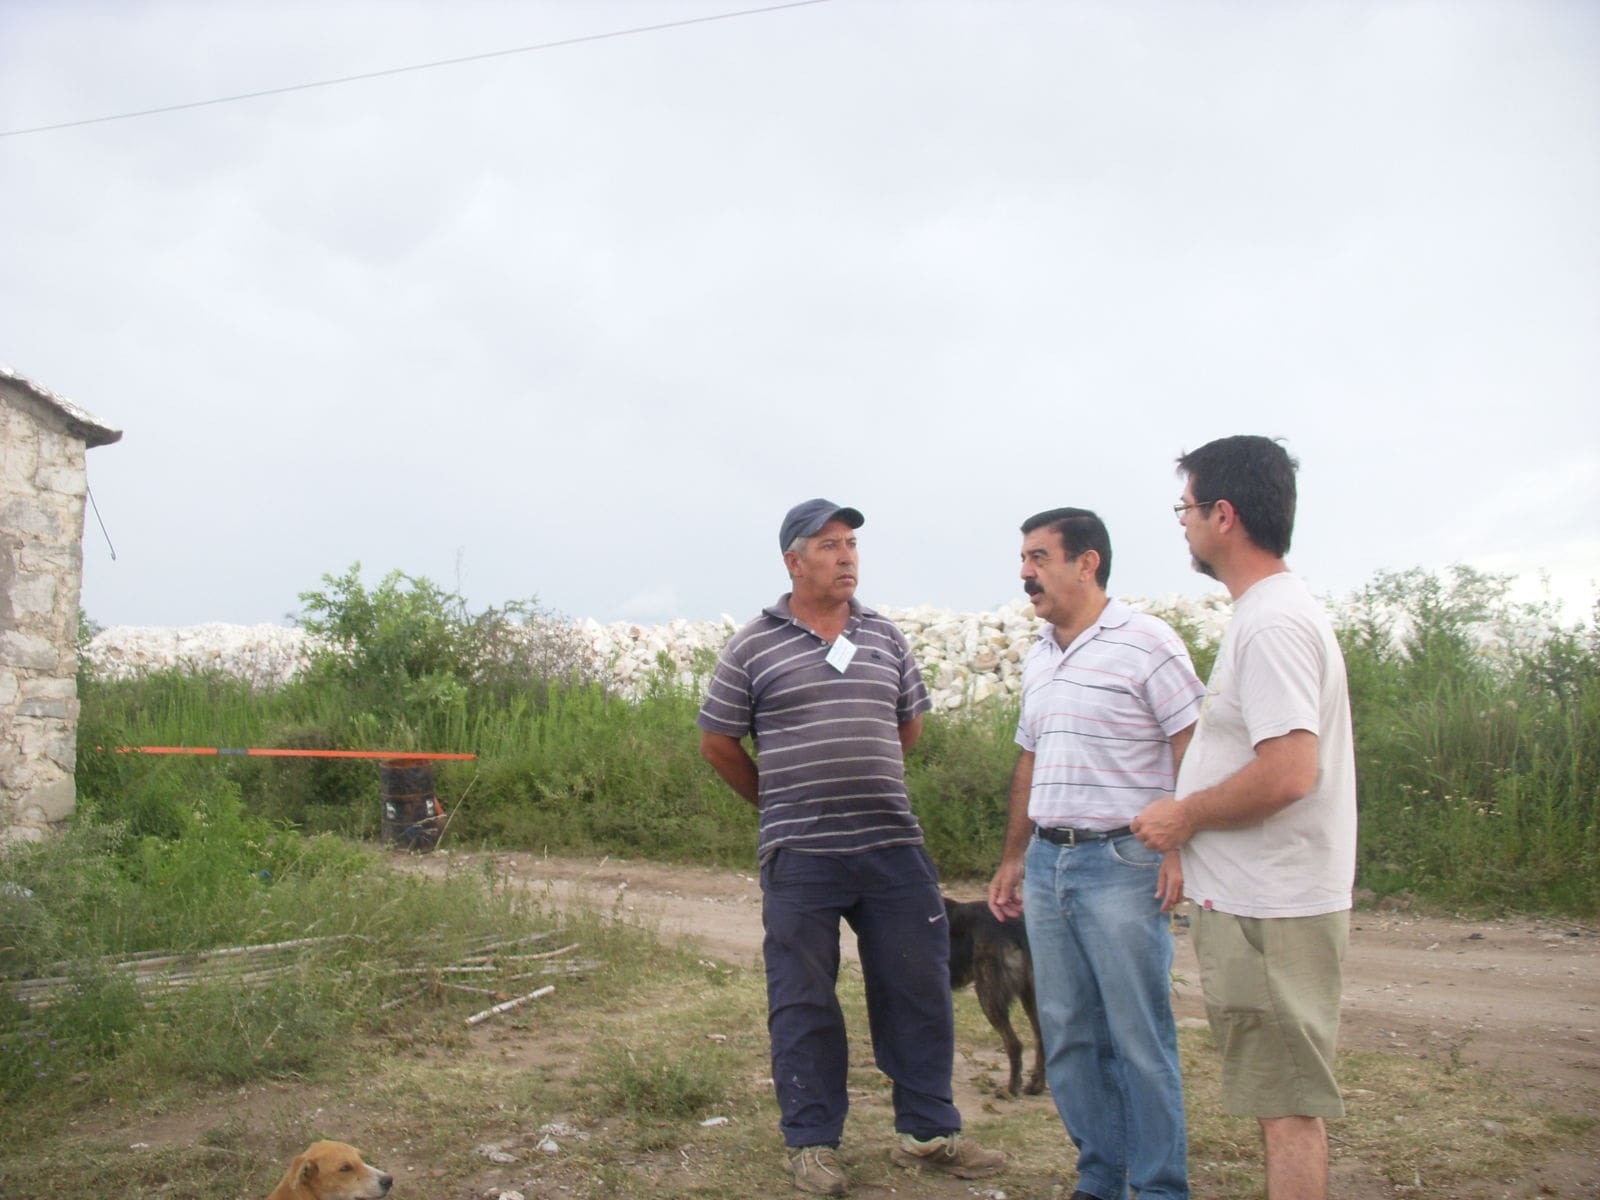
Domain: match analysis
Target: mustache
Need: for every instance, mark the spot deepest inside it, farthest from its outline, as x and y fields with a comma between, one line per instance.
x=1031, y=586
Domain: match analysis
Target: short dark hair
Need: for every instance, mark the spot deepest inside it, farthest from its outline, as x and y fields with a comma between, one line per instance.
x=1079, y=530
x=1256, y=476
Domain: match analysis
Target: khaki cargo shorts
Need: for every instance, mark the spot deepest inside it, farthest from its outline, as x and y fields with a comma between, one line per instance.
x=1272, y=989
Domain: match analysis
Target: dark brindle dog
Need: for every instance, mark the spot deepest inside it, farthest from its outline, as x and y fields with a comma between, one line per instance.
x=993, y=956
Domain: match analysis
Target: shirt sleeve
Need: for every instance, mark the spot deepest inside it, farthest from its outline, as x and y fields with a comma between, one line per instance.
x=914, y=699
x=1024, y=736
x=1280, y=682
x=728, y=707
x=1172, y=690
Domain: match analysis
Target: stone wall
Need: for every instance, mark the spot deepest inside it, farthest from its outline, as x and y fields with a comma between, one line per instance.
x=42, y=485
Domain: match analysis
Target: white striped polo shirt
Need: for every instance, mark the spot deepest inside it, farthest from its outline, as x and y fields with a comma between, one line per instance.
x=830, y=768
x=1098, y=715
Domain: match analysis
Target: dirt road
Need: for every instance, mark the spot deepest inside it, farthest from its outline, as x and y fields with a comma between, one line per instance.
x=1518, y=995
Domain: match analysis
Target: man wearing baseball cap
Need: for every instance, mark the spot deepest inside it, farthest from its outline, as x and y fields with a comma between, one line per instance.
x=833, y=699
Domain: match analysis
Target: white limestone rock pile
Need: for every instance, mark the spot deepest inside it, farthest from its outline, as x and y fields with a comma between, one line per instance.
x=266, y=655
x=633, y=654
x=966, y=658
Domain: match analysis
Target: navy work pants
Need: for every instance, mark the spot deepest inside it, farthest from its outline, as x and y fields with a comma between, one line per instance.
x=891, y=899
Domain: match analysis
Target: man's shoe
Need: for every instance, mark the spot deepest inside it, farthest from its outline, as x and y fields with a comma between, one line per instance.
x=816, y=1169
x=949, y=1154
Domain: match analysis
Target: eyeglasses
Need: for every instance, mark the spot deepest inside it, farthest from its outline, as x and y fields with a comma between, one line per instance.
x=1179, y=509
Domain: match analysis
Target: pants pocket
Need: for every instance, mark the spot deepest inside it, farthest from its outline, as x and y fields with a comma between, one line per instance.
x=1131, y=852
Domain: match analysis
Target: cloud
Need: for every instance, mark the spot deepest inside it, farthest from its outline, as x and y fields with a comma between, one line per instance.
x=626, y=302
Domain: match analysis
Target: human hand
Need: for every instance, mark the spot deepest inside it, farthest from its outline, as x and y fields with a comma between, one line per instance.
x=1005, y=892
x=1169, y=881
x=1163, y=825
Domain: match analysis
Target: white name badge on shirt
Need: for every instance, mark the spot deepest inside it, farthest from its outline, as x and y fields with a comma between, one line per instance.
x=843, y=651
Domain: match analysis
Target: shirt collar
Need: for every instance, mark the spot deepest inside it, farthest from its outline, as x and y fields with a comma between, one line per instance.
x=782, y=612
x=1114, y=615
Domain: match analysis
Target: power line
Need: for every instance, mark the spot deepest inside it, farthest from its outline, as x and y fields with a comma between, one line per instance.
x=427, y=66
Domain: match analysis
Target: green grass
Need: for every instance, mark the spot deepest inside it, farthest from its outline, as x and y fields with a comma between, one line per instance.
x=1477, y=745
x=1479, y=757
x=82, y=908
x=621, y=1066
x=1477, y=748
x=653, y=1085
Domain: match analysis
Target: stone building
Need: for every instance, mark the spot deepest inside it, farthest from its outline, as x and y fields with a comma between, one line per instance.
x=42, y=486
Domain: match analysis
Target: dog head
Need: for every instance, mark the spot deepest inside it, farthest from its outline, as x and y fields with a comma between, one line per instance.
x=334, y=1171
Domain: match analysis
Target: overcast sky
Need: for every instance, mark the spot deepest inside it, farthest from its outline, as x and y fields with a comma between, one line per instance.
x=583, y=322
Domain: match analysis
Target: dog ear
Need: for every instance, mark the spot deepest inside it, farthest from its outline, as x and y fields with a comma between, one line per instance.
x=305, y=1168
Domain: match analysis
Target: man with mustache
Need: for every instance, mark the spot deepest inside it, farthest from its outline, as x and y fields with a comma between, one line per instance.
x=833, y=697
x=1265, y=813
x=1108, y=701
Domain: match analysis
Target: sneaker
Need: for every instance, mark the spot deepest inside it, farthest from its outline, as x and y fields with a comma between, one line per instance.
x=950, y=1154
x=816, y=1169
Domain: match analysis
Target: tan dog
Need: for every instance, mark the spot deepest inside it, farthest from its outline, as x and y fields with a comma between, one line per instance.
x=331, y=1171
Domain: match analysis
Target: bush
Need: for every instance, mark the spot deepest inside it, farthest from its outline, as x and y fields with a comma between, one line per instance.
x=959, y=778
x=1477, y=725
x=409, y=646
x=1477, y=744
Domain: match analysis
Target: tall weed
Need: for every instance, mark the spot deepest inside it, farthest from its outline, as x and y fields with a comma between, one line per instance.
x=75, y=907
x=1477, y=728
x=1477, y=744
x=959, y=776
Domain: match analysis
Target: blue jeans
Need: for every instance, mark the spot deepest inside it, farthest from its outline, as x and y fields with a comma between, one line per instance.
x=891, y=899
x=1102, y=969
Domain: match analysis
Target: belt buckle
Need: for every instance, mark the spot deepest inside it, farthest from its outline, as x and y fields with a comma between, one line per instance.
x=1072, y=837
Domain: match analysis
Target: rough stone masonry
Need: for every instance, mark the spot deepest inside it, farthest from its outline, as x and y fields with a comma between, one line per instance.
x=42, y=486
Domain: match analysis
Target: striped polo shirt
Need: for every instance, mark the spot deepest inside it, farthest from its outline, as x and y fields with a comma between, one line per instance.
x=832, y=776
x=1097, y=717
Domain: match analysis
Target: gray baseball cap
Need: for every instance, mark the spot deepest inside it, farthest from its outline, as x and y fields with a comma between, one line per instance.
x=806, y=518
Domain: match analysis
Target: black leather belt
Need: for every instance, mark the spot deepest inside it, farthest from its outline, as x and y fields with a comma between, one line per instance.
x=1063, y=836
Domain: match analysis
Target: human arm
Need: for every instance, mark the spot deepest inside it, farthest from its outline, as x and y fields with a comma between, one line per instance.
x=1169, y=879
x=1180, y=745
x=912, y=701
x=1284, y=770
x=1005, y=889
x=729, y=759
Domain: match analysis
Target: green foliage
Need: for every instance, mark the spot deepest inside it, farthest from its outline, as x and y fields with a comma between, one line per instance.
x=959, y=777
x=408, y=646
x=595, y=772
x=87, y=630
x=403, y=666
x=391, y=648
x=1477, y=744
x=1202, y=647
x=1477, y=727
x=660, y=1087
x=84, y=908
x=162, y=863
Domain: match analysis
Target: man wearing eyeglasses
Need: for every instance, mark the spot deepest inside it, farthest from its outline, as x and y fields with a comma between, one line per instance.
x=1265, y=813
x=1108, y=701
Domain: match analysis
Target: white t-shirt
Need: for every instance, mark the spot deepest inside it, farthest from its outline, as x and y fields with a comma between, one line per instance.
x=1279, y=668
